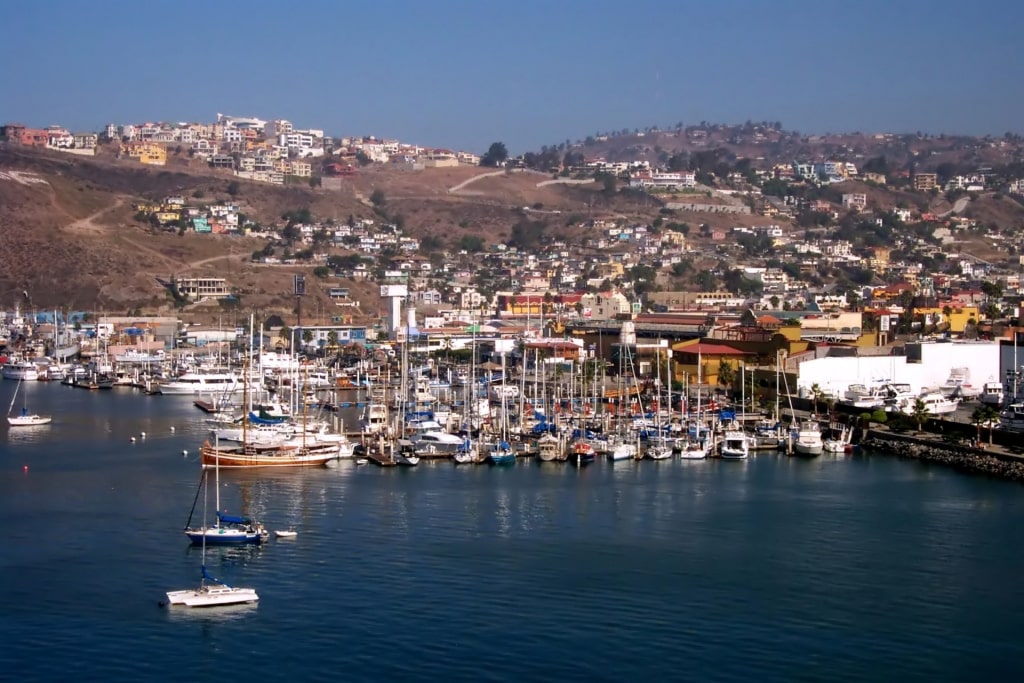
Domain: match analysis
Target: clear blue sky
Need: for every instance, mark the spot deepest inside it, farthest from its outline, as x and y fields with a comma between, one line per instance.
x=463, y=73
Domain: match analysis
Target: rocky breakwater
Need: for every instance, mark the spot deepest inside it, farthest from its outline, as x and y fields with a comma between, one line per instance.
x=961, y=457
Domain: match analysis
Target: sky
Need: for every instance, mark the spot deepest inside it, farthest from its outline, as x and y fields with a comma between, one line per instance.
x=464, y=73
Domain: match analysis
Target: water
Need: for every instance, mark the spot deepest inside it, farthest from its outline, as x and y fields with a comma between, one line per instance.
x=774, y=569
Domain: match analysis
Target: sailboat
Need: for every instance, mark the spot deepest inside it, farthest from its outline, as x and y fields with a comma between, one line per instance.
x=228, y=529
x=212, y=592
x=695, y=446
x=24, y=419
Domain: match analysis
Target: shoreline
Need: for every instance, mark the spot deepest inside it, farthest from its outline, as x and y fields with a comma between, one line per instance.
x=991, y=461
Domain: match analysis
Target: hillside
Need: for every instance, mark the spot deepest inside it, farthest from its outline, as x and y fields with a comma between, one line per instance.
x=71, y=238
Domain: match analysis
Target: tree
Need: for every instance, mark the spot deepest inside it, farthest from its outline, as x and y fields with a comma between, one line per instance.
x=919, y=413
x=471, y=243
x=234, y=188
x=816, y=395
x=286, y=334
x=307, y=336
x=378, y=198
x=726, y=374
x=321, y=272
x=496, y=155
x=332, y=339
x=774, y=301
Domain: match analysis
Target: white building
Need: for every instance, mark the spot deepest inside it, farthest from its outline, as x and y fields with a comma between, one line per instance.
x=665, y=181
x=927, y=365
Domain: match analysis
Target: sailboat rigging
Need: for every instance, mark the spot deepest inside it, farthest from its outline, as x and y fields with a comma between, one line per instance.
x=212, y=592
x=24, y=419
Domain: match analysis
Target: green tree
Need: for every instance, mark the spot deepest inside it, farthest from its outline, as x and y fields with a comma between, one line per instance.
x=919, y=413
x=774, y=301
x=496, y=155
x=307, y=336
x=816, y=395
x=321, y=272
x=726, y=374
x=471, y=243
x=234, y=188
x=332, y=339
x=378, y=198
x=286, y=334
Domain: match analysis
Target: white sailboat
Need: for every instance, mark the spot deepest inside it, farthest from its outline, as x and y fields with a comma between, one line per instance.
x=25, y=418
x=212, y=592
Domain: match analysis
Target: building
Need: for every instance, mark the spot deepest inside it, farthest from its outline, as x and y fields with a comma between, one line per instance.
x=925, y=181
x=28, y=137
x=663, y=181
x=145, y=152
x=855, y=201
x=439, y=158
x=197, y=288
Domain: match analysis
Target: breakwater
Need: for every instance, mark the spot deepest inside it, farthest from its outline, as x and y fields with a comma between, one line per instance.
x=965, y=458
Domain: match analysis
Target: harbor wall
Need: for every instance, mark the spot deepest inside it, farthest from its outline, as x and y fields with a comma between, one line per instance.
x=992, y=462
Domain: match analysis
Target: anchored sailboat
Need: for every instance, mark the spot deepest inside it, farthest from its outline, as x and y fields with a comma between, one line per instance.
x=212, y=592
x=24, y=419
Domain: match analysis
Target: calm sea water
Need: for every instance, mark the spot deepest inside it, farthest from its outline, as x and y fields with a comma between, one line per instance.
x=775, y=569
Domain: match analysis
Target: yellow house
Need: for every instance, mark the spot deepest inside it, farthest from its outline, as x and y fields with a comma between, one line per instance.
x=167, y=216
x=708, y=356
x=146, y=152
x=957, y=318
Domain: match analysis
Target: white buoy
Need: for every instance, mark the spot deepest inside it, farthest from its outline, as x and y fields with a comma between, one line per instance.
x=133, y=439
x=184, y=454
x=143, y=435
x=172, y=429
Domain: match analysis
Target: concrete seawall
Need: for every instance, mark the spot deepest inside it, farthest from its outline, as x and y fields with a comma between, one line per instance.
x=991, y=460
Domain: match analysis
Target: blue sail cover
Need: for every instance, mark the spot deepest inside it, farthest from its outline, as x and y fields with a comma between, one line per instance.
x=207, y=576
x=233, y=519
x=256, y=419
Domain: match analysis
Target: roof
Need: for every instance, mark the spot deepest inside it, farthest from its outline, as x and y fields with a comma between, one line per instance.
x=708, y=349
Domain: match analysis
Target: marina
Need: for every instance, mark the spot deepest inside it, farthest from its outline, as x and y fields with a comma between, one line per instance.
x=739, y=547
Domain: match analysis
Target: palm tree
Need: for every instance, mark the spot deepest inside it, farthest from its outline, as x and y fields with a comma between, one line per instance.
x=816, y=395
x=726, y=374
x=919, y=413
x=985, y=416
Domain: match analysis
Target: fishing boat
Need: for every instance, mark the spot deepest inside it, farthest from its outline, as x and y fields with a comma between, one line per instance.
x=735, y=443
x=20, y=369
x=934, y=402
x=992, y=394
x=24, y=418
x=548, y=447
x=808, y=440
x=212, y=592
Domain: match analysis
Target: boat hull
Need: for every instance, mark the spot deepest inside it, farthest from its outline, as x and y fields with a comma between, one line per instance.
x=224, y=536
x=212, y=596
x=29, y=420
x=283, y=457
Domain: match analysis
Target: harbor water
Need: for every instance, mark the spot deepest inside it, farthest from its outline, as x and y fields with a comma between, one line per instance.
x=772, y=569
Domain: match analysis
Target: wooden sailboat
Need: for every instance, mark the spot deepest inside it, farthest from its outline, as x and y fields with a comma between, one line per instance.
x=250, y=454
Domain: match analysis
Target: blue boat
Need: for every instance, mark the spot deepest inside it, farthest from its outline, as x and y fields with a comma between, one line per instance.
x=228, y=529
x=500, y=453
